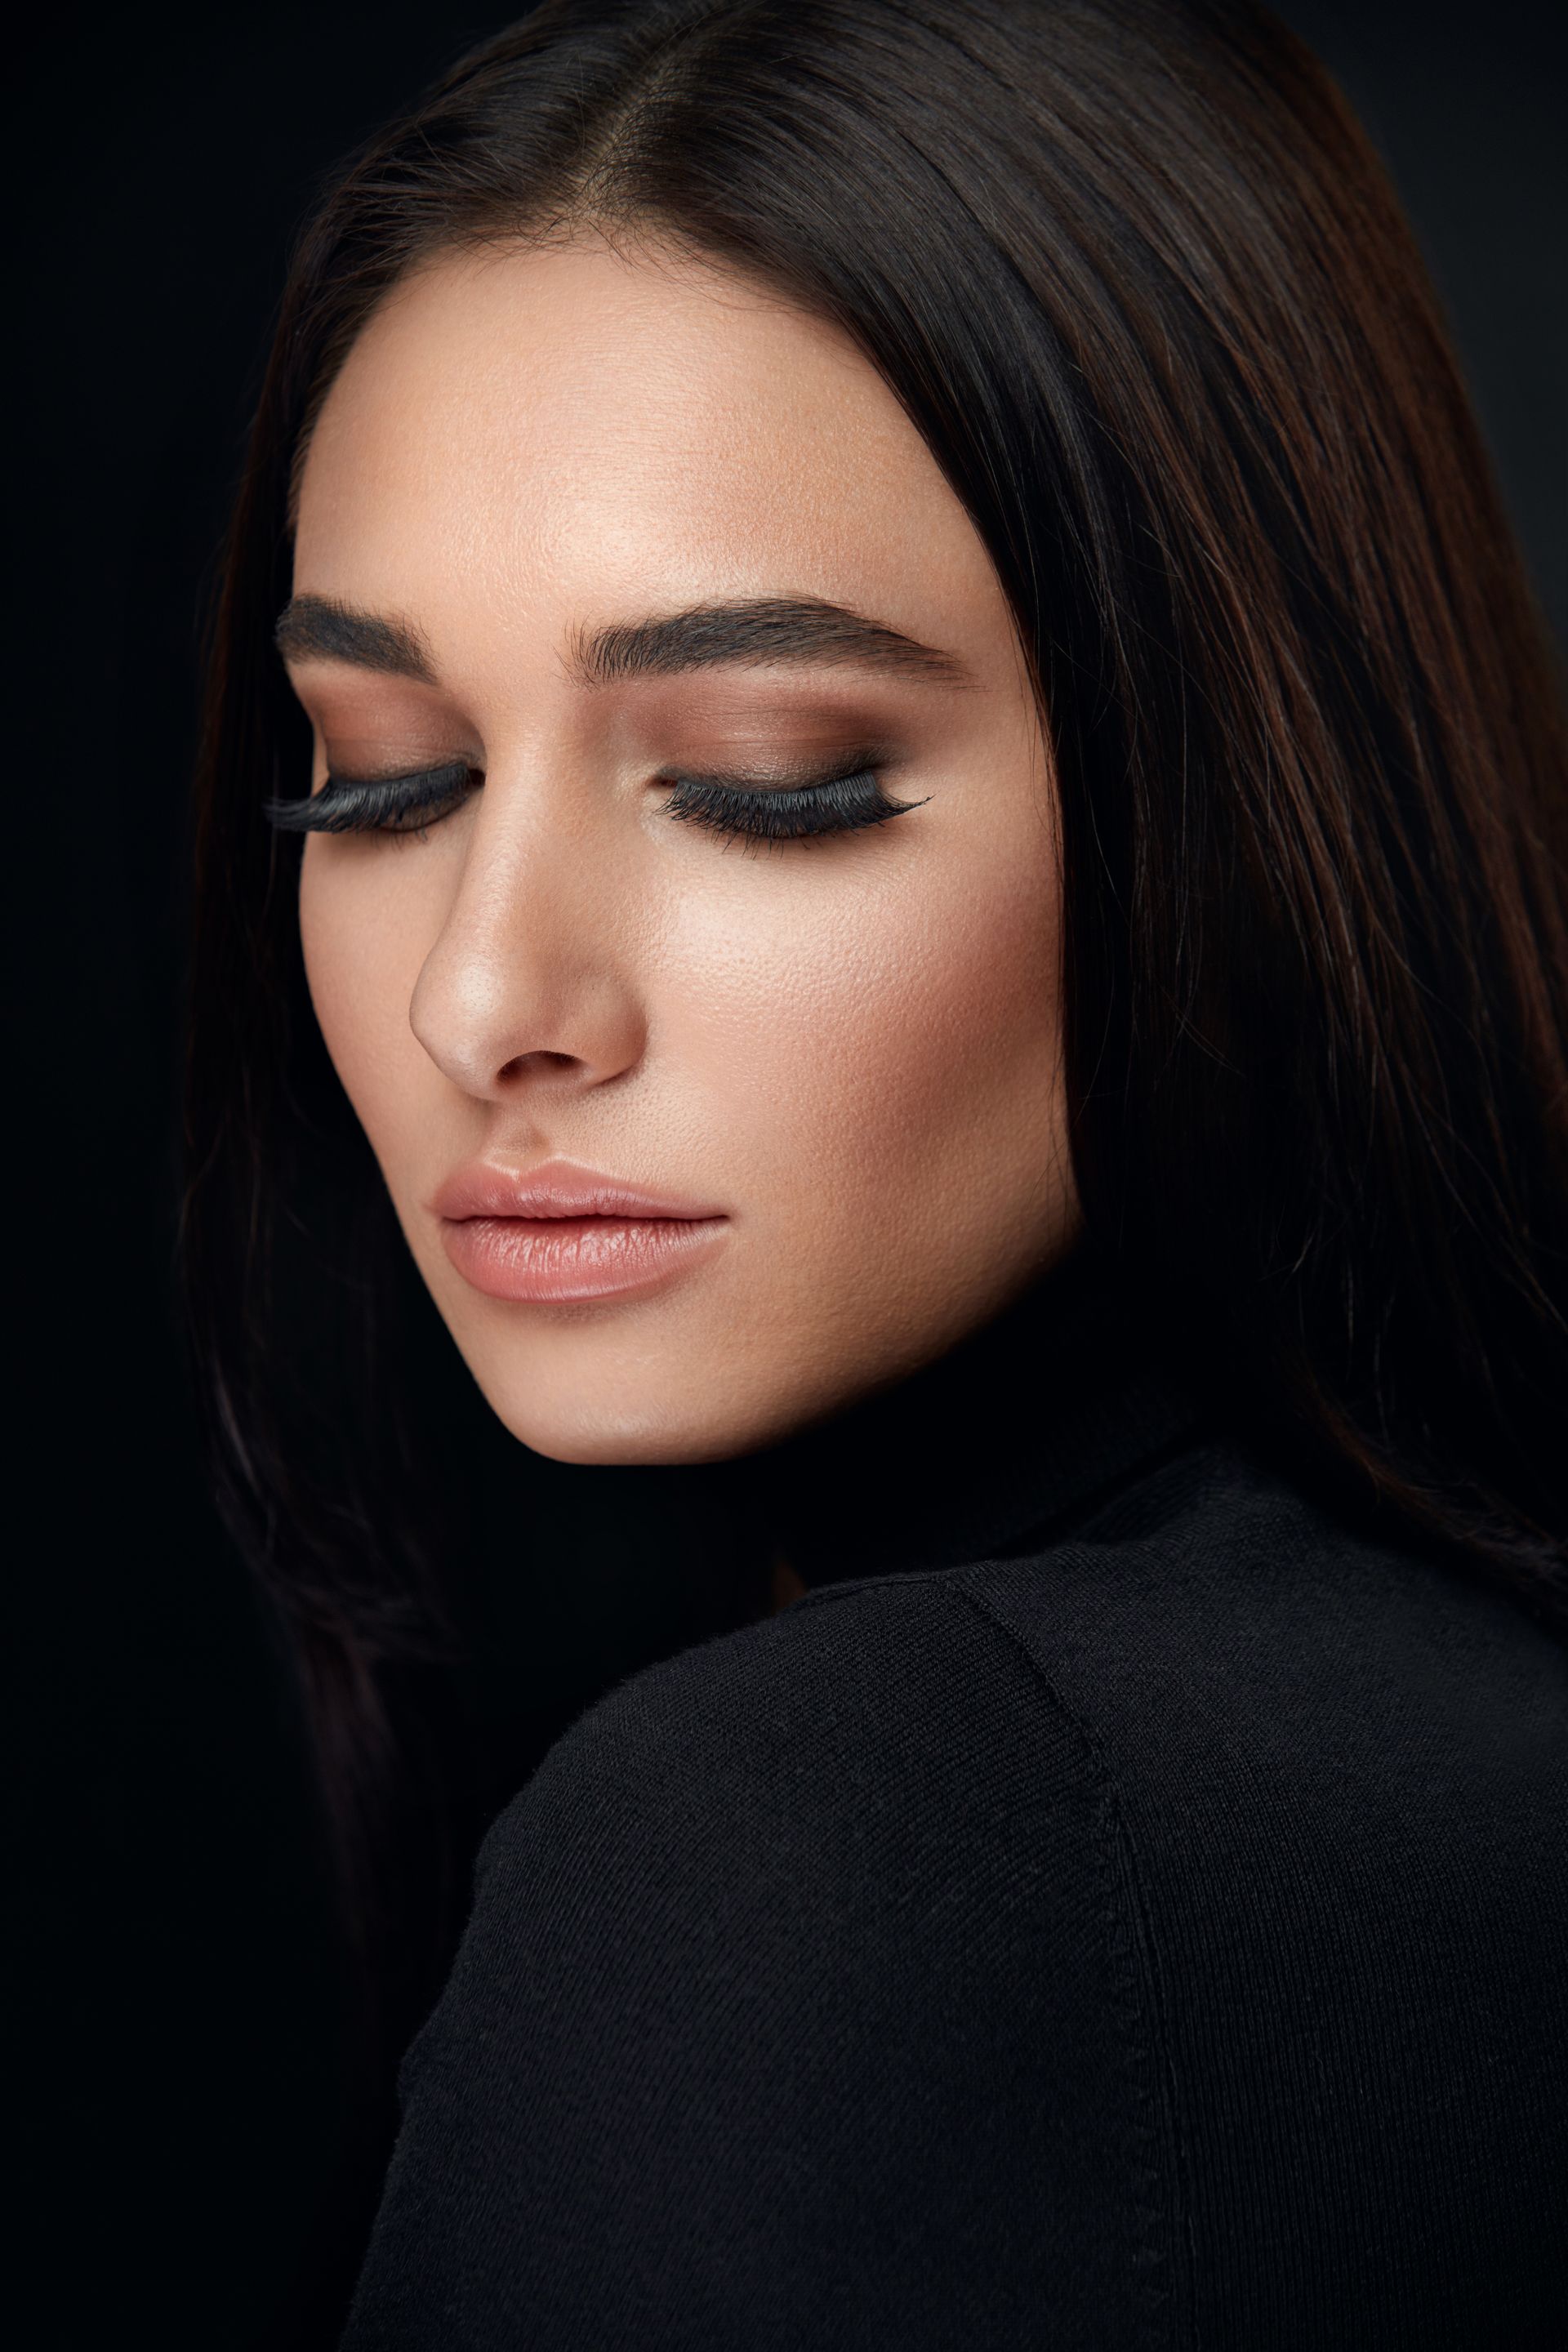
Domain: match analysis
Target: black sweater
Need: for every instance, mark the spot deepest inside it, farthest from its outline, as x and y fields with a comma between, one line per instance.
x=1121, y=1905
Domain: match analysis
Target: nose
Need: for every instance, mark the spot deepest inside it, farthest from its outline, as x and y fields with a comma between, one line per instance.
x=523, y=985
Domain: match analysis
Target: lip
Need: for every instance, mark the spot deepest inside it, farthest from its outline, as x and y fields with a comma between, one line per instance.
x=556, y=1188
x=562, y=1233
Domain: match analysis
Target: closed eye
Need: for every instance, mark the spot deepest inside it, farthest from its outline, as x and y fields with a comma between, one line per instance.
x=784, y=812
x=727, y=806
x=384, y=805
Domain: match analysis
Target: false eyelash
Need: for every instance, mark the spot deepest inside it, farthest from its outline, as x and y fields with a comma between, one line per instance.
x=396, y=804
x=786, y=813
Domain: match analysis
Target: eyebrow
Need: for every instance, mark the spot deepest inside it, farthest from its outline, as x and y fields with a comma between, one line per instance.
x=750, y=630
x=318, y=628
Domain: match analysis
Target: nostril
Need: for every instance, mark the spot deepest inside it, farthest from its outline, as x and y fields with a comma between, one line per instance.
x=537, y=1064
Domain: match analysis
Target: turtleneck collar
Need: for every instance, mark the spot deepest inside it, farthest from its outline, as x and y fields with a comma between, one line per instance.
x=1020, y=1428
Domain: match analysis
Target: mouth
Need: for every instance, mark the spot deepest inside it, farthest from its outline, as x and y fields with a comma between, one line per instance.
x=563, y=1234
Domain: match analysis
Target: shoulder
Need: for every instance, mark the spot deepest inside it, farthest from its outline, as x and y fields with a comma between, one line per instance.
x=903, y=1683
x=868, y=1807
x=798, y=1954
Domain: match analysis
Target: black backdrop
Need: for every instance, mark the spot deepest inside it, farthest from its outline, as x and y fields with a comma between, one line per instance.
x=175, y=2001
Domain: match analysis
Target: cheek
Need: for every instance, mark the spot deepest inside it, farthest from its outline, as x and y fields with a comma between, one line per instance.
x=880, y=1045
x=365, y=932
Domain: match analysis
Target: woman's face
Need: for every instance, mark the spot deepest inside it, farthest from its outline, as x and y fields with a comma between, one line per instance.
x=622, y=536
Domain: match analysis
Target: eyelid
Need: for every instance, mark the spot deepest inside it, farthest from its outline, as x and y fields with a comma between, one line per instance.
x=754, y=787
x=857, y=759
x=336, y=778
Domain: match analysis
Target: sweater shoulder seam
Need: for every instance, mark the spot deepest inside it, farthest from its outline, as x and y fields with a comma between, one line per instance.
x=1165, y=2270
x=1166, y=2254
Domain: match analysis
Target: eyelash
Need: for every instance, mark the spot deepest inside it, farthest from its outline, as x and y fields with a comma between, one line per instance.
x=846, y=803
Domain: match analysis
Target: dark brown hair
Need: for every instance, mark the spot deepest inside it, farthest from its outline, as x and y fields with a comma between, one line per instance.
x=1136, y=276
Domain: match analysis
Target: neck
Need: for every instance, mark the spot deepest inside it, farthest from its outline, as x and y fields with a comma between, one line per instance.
x=1017, y=1430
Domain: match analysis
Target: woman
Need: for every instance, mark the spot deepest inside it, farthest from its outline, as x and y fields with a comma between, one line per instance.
x=932, y=816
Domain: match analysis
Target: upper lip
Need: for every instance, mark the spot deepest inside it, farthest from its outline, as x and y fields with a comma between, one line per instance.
x=556, y=1188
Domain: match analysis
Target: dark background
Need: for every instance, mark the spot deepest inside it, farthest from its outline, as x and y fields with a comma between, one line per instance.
x=175, y=2003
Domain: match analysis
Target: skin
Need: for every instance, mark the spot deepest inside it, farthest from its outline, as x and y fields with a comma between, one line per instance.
x=851, y=1046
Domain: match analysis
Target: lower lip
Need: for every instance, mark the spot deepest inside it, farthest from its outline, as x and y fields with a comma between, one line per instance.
x=555, y=1260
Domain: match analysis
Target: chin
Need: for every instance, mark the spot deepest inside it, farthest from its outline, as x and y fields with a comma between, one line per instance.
x=627, y=1431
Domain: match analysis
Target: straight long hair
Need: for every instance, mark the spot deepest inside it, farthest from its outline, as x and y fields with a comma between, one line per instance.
x=1137, y=277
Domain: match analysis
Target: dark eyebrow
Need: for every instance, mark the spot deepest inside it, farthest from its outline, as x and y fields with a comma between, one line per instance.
x=755, y=629
x=750, y=630
x=318, y=628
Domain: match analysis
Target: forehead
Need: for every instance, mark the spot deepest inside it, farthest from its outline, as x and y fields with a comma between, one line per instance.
x=565, y=428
